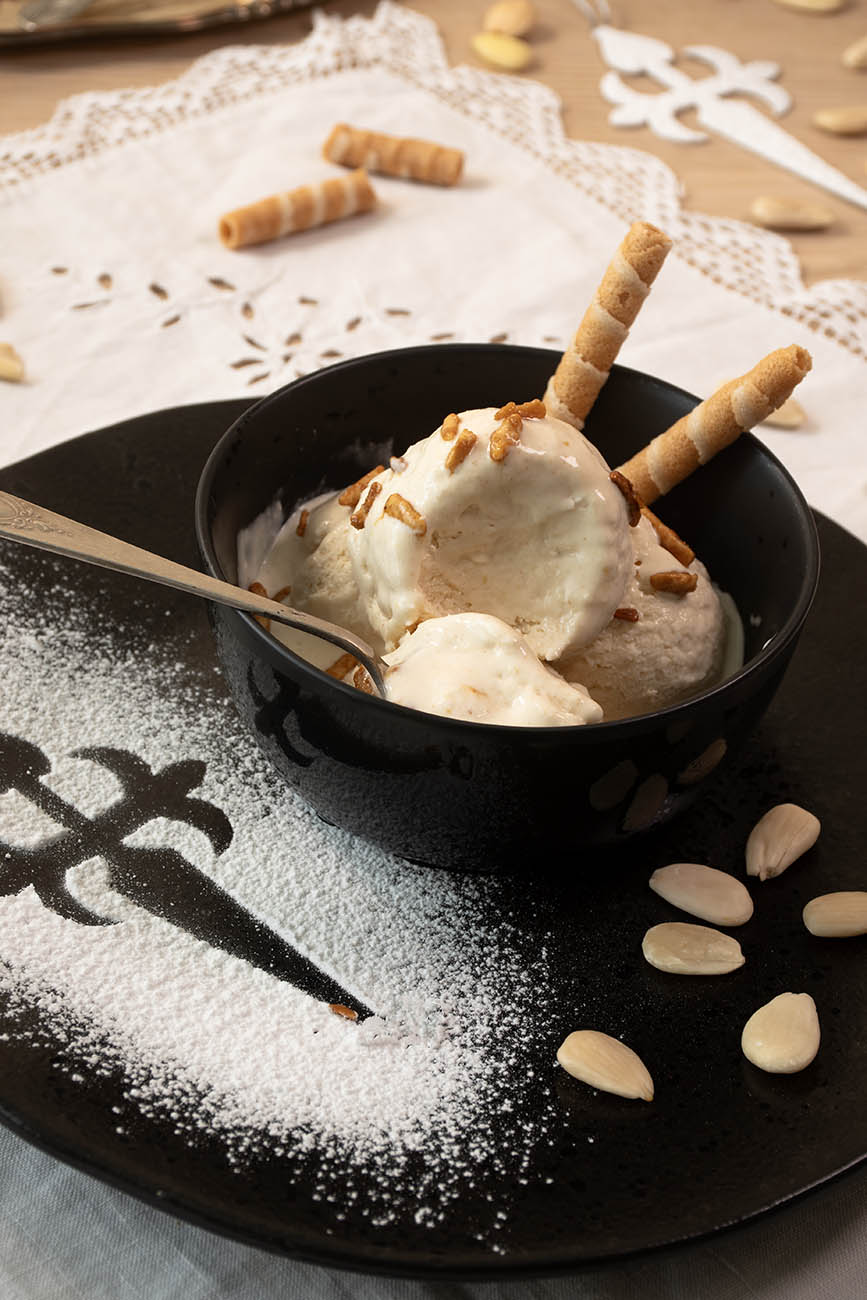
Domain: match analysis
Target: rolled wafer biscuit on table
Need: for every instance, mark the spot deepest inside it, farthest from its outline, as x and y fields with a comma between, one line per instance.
x=299, y=209
x=418, y=160
x=715, y=423
x=584, y=366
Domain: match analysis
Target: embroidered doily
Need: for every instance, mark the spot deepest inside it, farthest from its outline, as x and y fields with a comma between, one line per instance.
x=120, y=299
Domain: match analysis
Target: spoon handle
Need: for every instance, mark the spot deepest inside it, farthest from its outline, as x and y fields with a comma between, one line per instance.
x=22, y=521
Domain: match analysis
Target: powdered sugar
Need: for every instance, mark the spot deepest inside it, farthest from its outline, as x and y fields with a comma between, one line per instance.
x=205, y=1037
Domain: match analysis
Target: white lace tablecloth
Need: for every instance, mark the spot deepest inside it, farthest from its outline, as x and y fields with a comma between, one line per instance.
x=119, y=297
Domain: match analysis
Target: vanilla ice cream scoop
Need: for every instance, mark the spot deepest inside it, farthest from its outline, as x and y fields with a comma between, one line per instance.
x=477, y=668
x=509, y=516
x=310, y=555
x=663, y=647
x=309, y=561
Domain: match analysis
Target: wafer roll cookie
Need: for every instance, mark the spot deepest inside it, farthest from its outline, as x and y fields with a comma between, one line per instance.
x=584, y=366
x=300, y=209
x=716, y=422
x=418, y=160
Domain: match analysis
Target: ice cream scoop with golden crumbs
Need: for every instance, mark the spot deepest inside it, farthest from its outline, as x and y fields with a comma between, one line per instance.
x=525, y=525
x=511, y=514
x=671, y=647
x=316, y=565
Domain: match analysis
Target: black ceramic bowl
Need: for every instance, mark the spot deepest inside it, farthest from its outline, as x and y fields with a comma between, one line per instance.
x=464, y=795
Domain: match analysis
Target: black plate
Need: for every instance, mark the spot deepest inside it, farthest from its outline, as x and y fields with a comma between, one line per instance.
x=721, y=1143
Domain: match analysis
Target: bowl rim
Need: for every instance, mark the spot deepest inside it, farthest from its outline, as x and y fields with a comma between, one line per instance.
x=617, y=727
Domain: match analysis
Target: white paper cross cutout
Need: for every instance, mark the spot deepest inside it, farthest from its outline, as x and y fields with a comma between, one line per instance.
x=740, y=122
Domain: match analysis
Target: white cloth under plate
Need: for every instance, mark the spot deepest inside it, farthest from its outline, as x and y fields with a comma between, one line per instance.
x=65, y=1236
x=115, y=290
x=121, y=299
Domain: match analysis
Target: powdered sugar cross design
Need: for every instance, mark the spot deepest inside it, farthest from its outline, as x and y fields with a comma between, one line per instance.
x=157, y=879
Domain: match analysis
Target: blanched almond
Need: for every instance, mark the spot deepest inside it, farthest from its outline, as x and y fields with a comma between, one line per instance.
x=783, y=1036
x=814, y=6
x=704, y=892
x=837, y=916
x=850, y=120
x=855, y=55
x=508, y=52
x=779, y=838
x=605, y=1063
x=684, y=949
x=791, y=415
x=11, y=365
x=514, y=17
x=790, y=214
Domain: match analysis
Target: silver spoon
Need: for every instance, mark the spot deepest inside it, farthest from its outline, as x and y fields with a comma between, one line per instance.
x=22, y=521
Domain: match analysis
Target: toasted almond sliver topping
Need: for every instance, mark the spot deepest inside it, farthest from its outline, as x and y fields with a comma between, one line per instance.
x=668, y=539
x=627, y=614
x=675, y=581
x=256, y=589
x=357, y=519
x=534, y=410
x=504, y=437
x=342, y=666
x=450, y=427
x=633, y=504
x=399, y=508
x=462, y=447
x=340, y=1010
x=302, y=523
x=352, y=495
x=361, y=680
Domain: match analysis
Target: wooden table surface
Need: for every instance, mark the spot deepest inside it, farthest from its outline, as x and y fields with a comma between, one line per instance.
x=717, y=177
